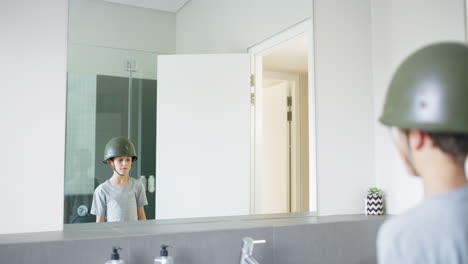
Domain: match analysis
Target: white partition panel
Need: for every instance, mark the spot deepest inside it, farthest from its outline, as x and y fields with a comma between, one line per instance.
x=203, y=136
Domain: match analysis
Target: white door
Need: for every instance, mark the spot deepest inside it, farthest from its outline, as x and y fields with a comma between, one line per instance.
x=273, y=188
x=203, y=136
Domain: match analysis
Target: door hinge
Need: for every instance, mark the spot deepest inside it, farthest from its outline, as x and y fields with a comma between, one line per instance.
x=289, y=116
x=252, y=80
x=289, y=100
x=252, y=99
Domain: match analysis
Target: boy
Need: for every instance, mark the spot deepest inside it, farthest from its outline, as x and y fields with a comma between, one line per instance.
x=426, y=108
x=121, y=198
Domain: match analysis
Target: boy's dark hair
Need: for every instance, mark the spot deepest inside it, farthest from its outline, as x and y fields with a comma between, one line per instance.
x=456, y=145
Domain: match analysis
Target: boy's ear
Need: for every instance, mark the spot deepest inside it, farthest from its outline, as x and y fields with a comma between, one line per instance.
x=417, y=138
x=109, y=162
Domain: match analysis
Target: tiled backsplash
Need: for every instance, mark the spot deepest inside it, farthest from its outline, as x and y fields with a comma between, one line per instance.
x=328, y=240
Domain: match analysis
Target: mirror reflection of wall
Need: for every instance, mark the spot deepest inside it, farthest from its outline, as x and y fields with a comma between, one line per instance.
x=113, y=50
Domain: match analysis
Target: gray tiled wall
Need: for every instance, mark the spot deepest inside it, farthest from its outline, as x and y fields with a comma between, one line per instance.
x=327, y=242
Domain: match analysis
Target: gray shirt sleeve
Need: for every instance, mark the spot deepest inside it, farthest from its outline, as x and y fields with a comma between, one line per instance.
x=141, y=194
x=99, y=205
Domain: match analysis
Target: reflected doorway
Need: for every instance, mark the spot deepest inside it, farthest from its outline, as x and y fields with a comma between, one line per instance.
x=281, y=87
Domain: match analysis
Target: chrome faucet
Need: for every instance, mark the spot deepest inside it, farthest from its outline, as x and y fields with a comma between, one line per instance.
x=247, y=250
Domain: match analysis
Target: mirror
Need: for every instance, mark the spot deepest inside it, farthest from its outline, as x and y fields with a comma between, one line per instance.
x=116, y=50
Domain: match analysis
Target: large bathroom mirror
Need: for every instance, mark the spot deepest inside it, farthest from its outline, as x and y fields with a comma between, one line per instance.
x=175, y=76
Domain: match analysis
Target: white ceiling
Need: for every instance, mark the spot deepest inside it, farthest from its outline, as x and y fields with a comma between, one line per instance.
x=290, y=56
x=163, y=5
x=267, y=82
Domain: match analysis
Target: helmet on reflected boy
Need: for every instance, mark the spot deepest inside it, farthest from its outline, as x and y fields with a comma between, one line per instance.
x=119, y=146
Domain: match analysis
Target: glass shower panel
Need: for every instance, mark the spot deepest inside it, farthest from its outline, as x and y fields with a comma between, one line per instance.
x=80, y=147
x=102, y=104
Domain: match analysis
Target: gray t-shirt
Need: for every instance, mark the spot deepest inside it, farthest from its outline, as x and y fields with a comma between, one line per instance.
x=119, y=204
x=436, y=231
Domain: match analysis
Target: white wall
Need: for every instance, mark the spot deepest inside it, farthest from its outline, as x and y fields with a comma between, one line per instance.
x=104, y=24
x=226, y=26
x=344, y=109
x=343, y=105
x=399, y=28
x=103, y=35
x=110, y=61
x=33, y=70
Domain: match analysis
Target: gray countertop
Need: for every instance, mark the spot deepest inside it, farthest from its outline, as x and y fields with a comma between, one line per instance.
x=155, y=227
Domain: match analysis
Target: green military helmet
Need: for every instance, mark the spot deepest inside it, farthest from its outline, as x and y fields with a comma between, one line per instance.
x=119, y=146
x=429, y=91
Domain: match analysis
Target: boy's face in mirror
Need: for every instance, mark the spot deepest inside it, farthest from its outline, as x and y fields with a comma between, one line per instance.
x=122, y=164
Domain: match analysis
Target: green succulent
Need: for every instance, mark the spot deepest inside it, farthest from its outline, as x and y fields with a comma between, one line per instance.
x=374, y=190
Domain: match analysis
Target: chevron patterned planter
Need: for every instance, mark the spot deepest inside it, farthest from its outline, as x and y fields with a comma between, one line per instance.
x=374, y=204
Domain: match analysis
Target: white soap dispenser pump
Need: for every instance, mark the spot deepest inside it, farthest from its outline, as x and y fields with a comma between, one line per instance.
x=164, y=257
x=115, y=257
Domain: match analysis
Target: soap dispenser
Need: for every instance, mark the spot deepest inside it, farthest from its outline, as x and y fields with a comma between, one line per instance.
x=115, y=257
x=164, y=257
x=144, y=181
x=151, y=184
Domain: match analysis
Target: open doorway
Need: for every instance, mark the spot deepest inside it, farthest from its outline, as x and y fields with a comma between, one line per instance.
x=281, y=182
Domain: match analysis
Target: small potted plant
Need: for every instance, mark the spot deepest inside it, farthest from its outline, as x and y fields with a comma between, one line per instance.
x=374, y=201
